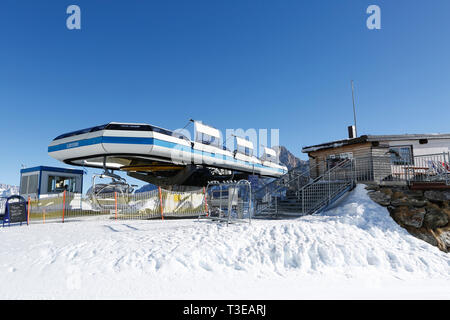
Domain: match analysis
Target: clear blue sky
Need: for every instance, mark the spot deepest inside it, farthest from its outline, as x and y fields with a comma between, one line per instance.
x=233, y=64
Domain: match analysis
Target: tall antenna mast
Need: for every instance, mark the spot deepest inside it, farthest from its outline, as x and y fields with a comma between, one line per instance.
x=354, y=111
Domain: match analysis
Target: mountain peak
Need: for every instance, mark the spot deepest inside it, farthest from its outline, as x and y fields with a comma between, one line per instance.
x=287, y=158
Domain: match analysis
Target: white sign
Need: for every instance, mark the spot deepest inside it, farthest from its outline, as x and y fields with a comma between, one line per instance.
x=244, y=143
x=210, y=131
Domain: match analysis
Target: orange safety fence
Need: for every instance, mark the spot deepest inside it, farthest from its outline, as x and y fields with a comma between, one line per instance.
x=159, y=203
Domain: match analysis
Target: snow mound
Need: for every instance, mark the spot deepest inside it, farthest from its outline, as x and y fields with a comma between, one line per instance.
x=355, y=245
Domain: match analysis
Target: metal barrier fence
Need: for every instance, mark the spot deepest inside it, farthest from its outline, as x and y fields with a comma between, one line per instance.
x=158, y=203
x=421, y=168
x=228, y=201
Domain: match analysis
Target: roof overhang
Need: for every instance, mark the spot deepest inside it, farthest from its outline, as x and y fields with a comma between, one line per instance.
x=374, y=138
x=334, y=144
x=51, y=169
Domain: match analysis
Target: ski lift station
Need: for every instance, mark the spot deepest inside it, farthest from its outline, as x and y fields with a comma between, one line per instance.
x=42, y=180
x=163, y=157
x=218, y=174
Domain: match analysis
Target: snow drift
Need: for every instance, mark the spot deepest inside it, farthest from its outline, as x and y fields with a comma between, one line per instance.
x=354, y=250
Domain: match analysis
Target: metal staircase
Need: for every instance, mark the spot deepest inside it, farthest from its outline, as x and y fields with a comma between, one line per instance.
x=296, y=194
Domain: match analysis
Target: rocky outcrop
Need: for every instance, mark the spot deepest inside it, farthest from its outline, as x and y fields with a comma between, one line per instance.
x=381, y=198
x=435, y=218
x=436, y=196
x=288, y=159
x=409, y=216
x=425, y=214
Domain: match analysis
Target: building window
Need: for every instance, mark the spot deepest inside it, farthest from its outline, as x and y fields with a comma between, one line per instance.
x=29, y=184
x=24, y=185
x=33, y=183
x=401, y=155
x=334, y=159
x=59, y=184
x=346, y=155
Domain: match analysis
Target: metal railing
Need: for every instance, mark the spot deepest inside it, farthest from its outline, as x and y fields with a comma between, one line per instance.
x=302, y=171
x=421, y=168
x=429, y=168
x=328, y=188
x=286, y=185
x=312, y=195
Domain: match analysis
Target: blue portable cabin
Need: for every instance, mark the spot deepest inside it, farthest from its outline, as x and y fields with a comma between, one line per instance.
x=43, y=180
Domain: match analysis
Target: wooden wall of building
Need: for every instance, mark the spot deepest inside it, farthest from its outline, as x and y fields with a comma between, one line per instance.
x=318, y=159
x=372, y=163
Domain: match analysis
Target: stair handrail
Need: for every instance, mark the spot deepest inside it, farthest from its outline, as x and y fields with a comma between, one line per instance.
x=274, y=191
x=290, y=172
x=305, y=174
x=350, y=182
x=315, y=181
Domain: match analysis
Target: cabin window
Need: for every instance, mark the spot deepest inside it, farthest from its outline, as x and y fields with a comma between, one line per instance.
x=334, y=159
x=29, y=184
x=162, y=131
x=128, y=126
x=346, y=155
x=24, y=185
x=74, y=133
x=401, y=155
x=137, y=127
x=59, y=184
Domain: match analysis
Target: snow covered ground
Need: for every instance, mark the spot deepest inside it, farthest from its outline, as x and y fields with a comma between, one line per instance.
x=354, y=251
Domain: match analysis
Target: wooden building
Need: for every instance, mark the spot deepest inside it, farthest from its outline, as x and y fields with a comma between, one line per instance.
x=378, y=157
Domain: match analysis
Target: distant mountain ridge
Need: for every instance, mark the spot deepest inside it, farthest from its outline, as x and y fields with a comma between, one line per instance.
x=7, y=190
x=288, y=159
x=146, y=188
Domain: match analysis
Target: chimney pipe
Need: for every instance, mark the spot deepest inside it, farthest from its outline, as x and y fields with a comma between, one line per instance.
x=351, y=132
